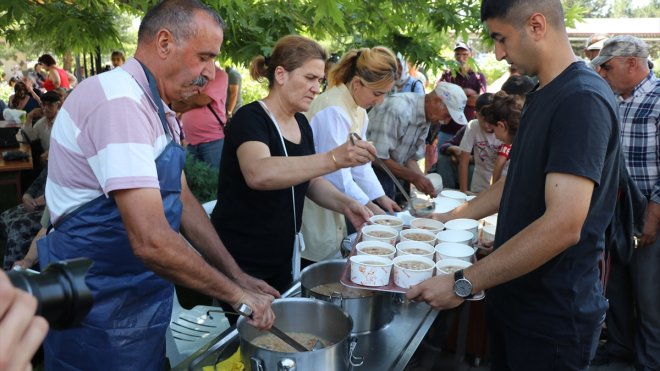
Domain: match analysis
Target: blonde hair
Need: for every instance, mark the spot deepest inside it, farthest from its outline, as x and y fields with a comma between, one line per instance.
x=376, y=67
x=290, y=52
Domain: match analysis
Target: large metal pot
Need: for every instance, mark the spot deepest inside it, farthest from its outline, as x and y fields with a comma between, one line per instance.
x=368, y=313
x=309, y=316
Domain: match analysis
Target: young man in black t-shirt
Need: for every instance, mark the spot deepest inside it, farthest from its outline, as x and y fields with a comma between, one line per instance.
x=545, y=303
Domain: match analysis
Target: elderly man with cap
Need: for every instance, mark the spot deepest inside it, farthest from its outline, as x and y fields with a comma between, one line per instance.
x=472, y=82
x=398, y=129
x=633, y=320
x=594, y=45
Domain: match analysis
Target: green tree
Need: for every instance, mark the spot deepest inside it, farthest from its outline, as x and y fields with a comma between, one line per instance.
x=621, y=9
x=650, y=10
x=589, y=8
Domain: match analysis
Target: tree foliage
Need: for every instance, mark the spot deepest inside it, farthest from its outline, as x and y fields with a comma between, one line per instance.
x=589, y=8
x=61, y=26
x=419, y=29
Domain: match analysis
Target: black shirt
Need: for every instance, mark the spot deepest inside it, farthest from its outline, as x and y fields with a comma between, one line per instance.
x=570, y=126
x=257, y=226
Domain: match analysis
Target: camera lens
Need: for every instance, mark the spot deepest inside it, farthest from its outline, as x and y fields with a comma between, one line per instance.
x=63, y=296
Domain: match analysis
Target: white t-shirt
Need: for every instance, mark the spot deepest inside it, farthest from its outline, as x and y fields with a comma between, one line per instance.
x=485, y=148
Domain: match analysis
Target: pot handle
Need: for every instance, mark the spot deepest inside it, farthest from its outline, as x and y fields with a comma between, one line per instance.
x=337, y=295
x=353, y=359
x=256, y=364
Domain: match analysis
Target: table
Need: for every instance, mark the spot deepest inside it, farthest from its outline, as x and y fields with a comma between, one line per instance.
x=13, y=168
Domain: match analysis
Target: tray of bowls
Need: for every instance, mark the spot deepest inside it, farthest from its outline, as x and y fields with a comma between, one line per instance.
x=388, y=256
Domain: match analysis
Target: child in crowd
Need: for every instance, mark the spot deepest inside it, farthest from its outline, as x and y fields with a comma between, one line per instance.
x=503, y=116
x=478, y=141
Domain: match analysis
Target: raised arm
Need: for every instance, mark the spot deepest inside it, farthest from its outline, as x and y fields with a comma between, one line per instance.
x=265, y=172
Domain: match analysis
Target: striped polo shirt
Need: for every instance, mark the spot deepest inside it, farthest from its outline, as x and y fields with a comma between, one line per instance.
x=106, y=137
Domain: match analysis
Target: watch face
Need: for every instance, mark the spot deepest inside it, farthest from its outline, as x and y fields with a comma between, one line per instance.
x=463, y=288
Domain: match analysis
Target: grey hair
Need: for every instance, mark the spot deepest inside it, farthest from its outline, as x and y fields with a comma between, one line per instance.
x=175, y=16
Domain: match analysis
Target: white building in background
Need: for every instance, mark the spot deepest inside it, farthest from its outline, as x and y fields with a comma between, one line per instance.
x=647, y=29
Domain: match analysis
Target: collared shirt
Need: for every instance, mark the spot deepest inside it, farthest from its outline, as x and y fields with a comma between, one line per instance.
x=398, y=127
x=106, y=137
x=640, y=135
x=333, y=116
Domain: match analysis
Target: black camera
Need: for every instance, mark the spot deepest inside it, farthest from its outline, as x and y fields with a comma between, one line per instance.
x=63, y=296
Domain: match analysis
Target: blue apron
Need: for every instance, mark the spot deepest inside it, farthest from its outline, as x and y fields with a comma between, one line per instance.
x=125, y=330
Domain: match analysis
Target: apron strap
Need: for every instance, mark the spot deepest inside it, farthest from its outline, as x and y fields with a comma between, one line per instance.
x=155, y=95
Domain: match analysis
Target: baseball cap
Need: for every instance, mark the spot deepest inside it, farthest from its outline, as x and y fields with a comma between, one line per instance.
x=461, y=45
x=621, y=46
x=454, y=98
x=598, y=45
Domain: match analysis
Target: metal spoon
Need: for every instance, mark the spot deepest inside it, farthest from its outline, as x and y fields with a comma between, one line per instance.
x=381, y=163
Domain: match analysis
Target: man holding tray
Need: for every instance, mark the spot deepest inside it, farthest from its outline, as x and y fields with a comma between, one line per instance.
x=545, y=303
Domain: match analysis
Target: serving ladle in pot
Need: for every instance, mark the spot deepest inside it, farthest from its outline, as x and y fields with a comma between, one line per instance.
x=246, y=311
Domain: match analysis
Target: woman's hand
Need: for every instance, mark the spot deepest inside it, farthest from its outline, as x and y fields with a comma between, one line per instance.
x=350, y=155
x=388, y=204
x=357, y=213
x=375, y=209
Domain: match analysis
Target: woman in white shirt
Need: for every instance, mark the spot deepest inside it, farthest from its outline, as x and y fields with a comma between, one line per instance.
x=360, y=80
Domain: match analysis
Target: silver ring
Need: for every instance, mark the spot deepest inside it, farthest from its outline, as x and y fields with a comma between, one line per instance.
x=245, y=310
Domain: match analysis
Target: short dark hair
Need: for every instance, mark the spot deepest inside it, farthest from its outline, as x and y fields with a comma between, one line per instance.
x=177, y=17
x=517, y=12
x=119, y=54
x=47, y=59
x=519, y=85
x=51, y=96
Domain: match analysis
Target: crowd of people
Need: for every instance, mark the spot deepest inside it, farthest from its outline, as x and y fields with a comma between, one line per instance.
x=297, y=173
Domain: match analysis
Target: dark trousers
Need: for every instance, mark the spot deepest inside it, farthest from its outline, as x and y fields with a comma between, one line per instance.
x=633, y=319
x=513, y=349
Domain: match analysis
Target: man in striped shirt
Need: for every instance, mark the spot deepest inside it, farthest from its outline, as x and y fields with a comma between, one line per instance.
x=117, y=194
x=634, y=289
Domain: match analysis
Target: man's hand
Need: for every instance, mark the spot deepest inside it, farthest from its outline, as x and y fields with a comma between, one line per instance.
x=262, y=314
x=21, y=331
x=423, y=184
x=651, y=224
x=438, y=292
x=29, y=203
x=254, y=284
x=443, y=217
x=357, y=214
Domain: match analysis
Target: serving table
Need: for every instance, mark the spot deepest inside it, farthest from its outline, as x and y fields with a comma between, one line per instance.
x=389, y=348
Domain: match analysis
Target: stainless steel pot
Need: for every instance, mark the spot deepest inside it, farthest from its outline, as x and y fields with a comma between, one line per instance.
x=310, y=316
x=368, y=313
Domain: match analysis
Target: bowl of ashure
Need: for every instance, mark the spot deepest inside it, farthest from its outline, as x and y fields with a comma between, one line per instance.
x=370, y=270
x=410, y=270
x=375, y=248
x=377, y=232
x=388, y=221
x=415, y=248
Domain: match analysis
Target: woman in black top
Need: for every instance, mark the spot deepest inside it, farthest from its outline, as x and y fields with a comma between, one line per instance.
x=254, y=215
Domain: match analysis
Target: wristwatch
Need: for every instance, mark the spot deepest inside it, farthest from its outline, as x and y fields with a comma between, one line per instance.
x=462, y=287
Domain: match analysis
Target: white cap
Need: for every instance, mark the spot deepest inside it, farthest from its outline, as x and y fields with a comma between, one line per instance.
x=462, y=45
x=454, y=98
